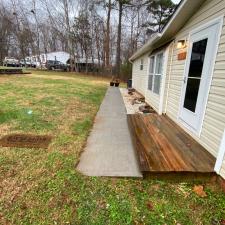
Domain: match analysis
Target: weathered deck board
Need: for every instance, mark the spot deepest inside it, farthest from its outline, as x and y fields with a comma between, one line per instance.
x=162, y=146
x=11, y=71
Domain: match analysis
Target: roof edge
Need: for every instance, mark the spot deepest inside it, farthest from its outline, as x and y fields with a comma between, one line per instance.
x=145, y=47
x=176, y=12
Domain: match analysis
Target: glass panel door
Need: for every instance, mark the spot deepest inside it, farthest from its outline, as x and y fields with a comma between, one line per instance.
x=195, y=74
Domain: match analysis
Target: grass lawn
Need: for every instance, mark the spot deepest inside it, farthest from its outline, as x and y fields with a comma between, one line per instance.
x=42, y=186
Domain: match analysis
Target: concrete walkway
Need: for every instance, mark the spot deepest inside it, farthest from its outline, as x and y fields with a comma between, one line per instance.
x=109, y=151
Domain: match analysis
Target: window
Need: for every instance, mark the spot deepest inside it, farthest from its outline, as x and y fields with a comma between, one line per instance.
x=195, y=74
x=155, y=73
x=151, y=72
x=142, y=64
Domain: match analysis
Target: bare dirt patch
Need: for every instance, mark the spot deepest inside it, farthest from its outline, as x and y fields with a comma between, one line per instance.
x=25, y=141
x=52, y=77
x=4, y=79
x=4, y=128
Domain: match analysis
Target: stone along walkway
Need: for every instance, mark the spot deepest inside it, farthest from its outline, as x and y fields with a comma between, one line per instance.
x=109, y=151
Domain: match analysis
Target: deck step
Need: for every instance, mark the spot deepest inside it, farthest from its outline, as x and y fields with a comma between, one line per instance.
x=162, y=146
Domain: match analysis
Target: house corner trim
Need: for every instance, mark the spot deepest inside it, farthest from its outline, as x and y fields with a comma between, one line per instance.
x=220, y=156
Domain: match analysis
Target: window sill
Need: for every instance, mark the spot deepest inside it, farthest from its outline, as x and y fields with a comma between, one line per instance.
x=151, y=92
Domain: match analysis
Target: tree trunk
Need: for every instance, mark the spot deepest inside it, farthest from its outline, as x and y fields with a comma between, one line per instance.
x=107, y=47
x=97, y=46
x=118, y=53
x=69, y=39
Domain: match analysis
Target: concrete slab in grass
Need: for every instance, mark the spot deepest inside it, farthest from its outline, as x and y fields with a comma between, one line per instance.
x=109, y=151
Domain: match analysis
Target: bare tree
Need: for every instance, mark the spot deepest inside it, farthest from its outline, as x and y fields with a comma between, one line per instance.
x=89, y=30
x=6, y=32
x=121, y=5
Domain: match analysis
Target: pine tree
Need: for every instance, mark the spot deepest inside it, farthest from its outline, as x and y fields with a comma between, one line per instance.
x=161, y=11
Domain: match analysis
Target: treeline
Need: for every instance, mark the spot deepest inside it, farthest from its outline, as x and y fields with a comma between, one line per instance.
x=108, y=31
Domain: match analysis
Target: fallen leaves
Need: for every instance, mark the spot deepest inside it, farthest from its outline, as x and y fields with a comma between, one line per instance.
x=199, y=190
x=102, y=204
x=150, y=206
x=217, y=222
x=182, y=189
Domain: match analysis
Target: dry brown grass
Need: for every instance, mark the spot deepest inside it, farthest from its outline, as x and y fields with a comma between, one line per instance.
x=42, y=186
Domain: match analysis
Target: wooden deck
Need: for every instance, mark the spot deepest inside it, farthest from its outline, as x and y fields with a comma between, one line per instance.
x=11, y=70
x=162, y=146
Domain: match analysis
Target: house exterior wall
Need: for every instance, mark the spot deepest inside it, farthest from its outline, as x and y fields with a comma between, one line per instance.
x=140, y=76
x=153, y=99
x=168, y=75
x=214, y=119
x=140, y=81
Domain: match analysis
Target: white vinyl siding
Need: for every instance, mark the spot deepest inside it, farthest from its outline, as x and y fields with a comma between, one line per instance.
x=214, y=120
x=139, y=77
x=141, y=80
x=168, y=74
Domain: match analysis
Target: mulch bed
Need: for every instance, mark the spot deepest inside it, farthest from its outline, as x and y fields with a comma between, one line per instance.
x=25, y=141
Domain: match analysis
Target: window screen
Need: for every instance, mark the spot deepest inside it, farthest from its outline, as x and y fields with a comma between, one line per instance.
x=151, y=72
x=155, y=73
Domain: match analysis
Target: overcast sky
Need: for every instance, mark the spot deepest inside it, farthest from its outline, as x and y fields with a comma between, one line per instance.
x=176, y=1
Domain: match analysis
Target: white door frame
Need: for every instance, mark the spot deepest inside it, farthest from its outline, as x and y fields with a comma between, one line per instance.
x=163, y=81
x=218, y=21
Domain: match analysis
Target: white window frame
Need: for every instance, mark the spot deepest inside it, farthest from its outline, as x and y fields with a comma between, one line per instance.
x=154, y=74
x=151, y=74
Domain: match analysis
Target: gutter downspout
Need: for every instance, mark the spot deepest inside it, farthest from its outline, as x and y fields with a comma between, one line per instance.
x=170, y=70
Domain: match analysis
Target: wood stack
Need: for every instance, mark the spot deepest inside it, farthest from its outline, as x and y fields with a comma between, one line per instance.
x=131, y=91
x=146, y=109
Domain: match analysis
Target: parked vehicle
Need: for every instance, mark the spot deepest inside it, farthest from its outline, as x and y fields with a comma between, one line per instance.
x=11, y=62
x=27, y=63
x=56, y=65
